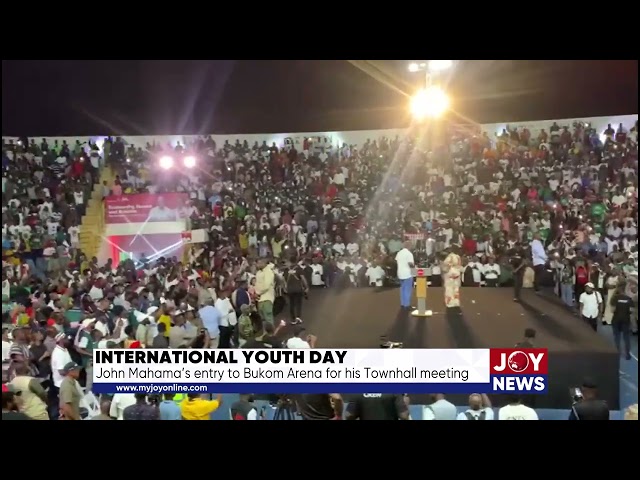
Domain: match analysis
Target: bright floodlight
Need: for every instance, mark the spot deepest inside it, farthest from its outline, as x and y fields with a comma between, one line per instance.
x=416, y=67
x=431, y=102
x=440, y=65
x=189, y=162
x=166, y=162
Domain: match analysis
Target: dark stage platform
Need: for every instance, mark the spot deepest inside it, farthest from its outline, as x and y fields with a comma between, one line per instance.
x=489, y=317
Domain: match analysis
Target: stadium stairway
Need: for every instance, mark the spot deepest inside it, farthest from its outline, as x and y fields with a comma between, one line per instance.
x=92, y=228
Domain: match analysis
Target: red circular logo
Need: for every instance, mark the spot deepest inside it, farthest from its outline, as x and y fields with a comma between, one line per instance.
x=518, y=361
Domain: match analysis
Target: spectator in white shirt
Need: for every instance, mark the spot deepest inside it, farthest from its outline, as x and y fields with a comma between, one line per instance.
x=352, y=248
x=228, y=319
x=317, y=273
x=516, y=410
x=300, y=339
x=491, y=272
x=405, y=264
x=6, y=344
x=59, y=358
x=339, y=247
x=591, y=305
x=375, y=275
x=119, y=403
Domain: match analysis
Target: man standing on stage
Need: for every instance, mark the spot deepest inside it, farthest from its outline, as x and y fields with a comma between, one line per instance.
x=539, y=260
x=405, y=263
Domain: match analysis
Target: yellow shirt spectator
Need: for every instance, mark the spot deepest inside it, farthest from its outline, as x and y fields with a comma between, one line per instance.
x=198, y=408
x=243, y=241
x=166, y=321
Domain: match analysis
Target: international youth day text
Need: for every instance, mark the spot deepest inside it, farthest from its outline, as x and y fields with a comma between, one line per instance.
x=191, y=365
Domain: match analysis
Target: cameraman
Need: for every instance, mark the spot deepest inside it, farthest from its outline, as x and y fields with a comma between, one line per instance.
x=587, y=406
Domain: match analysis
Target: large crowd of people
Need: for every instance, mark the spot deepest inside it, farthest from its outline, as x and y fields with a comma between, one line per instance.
x=553, y=208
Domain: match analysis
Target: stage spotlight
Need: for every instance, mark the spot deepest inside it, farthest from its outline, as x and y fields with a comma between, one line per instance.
x=190, y=161
x=440, y=65
x=431, y=102
x=166, y=162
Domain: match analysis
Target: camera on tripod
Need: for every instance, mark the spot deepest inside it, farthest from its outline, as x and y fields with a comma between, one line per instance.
x=285, y=407
x=386, y=343
x=576, y=395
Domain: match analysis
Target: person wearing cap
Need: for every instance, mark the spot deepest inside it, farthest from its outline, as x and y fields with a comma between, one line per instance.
x=11, y=402
x=589, y=406
x=70, y=395
x=591, y=306
x=59, y=358
x=86, y=342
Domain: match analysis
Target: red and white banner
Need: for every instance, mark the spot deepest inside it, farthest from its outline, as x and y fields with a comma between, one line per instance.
x=195, y=236
x=146, y=207
x=414, y=237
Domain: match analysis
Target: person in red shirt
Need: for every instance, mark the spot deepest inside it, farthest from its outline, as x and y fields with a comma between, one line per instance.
x=469, y=245
x=332, y=191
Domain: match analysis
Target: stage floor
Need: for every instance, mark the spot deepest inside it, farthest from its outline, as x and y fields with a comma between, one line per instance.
x=488, y=318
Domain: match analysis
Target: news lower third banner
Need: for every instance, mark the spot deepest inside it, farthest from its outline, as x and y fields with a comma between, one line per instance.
x=320, y=371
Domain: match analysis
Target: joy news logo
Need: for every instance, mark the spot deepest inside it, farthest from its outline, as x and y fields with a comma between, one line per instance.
x=518, y=370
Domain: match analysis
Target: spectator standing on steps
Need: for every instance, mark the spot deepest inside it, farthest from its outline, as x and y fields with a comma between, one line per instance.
x=621, y=319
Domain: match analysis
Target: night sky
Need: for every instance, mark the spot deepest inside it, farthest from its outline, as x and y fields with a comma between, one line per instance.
x=154, y=97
